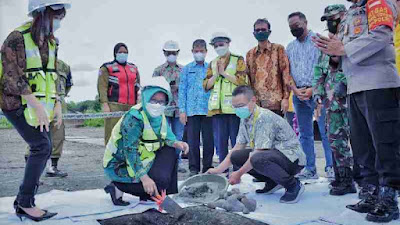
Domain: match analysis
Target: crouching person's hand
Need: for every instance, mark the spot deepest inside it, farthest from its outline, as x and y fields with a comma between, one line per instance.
x=149, y=185
x=234, y=178
x=182, y=146
x=213, y=171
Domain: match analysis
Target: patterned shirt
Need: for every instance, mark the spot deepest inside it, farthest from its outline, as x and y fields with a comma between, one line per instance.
x=269, y=74
x=14, y=83
x=193, y=100
x=241, y=76
x=303, y=56
x=171, y=74
x=271, y=132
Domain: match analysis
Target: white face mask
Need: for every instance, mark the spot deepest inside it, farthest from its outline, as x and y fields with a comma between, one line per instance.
x=155, y=110
x=171, y=58
x=56, y=24
x=222, y=50
x=199, y=56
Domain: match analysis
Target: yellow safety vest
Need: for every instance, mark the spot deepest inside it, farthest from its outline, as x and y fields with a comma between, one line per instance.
x=397, y=46
x=221, y=94
x=148, y=143
x=41, y=81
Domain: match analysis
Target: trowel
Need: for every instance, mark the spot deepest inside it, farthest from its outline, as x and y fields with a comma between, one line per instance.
x=166, y=203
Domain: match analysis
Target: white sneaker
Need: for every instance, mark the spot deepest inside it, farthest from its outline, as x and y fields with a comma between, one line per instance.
x=330, y=173
x=306, y=174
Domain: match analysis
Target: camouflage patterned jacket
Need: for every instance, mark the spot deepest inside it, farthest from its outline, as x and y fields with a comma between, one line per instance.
x=65, y=80
x=326, y=76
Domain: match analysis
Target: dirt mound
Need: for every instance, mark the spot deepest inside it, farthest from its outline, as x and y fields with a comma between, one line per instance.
x=197, y=215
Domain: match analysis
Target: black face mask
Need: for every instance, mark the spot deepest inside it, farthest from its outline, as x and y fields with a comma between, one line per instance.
x=333, y=25
x=297, y=32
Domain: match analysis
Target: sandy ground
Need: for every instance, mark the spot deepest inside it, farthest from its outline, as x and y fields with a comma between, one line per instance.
x=82, y=159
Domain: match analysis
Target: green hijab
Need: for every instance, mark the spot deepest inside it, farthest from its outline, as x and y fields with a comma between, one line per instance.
x=155, y=122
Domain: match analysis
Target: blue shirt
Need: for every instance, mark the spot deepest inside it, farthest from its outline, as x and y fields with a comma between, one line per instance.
x=193, y=100
x=303, y=57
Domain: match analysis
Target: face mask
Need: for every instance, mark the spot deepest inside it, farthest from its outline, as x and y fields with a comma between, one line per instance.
x=297, y=32
x=222, y=50
x=121, y=57
x=262, y=36
x=56, y=24
x=333, y=25
x=171, y=58
x=155, y=110
x=243, y=112
x=199, y=57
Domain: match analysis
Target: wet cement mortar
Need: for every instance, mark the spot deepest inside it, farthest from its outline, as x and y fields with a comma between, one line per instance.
x=197, y=215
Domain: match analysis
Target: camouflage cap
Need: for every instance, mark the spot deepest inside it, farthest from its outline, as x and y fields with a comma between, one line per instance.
x=333, y=10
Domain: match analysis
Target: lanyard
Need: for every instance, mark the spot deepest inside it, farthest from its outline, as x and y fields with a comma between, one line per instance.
x=256, y=114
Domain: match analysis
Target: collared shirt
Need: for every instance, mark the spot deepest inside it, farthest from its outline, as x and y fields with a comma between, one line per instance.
x=369, y=63
x=241, y=76
x=14, y=83
x=303, y=56
x=271, y=132
x=171, y=74
x=193, y=99
x=269, y=75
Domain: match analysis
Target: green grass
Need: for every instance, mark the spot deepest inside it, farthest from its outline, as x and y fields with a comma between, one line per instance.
x=4, y=124
x=93, y=123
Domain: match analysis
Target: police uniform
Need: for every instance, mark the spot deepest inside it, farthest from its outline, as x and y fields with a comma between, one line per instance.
x=374, y=94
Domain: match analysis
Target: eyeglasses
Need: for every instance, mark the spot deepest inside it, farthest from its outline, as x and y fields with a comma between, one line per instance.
x=260, y=30
x=161, y=102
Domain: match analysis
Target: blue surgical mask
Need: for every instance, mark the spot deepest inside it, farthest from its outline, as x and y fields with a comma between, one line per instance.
x=56, y=24
x=243, y=112
x=121, y=57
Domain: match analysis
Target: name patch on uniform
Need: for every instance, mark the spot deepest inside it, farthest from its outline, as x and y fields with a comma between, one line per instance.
x=379, y=13
x=358, y=30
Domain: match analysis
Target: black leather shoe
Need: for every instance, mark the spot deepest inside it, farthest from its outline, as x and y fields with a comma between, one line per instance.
x=387, y=208
x=365, y=205
x=110, y=189
x=21, y=214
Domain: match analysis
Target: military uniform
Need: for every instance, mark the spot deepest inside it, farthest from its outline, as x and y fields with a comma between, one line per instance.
x=326, y=77
x=374, y=103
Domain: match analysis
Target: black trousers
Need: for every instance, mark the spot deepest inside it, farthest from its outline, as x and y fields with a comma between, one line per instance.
x=40, y=150
x=163, y=172
x=195, y=125
x=270, y=166
x=375, y=135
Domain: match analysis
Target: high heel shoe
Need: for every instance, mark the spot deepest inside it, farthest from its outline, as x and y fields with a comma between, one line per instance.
x=110, y=189
x=21, y=213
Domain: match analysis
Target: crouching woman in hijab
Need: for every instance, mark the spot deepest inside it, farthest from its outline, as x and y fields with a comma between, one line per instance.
x=140, y=158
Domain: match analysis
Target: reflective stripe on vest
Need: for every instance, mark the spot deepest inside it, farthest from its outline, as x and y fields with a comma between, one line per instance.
x=122, y=79
x=221, y=94
x=148, y=143
x=42, y=82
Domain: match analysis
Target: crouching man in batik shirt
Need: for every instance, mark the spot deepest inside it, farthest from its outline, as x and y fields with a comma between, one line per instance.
x=275, y=153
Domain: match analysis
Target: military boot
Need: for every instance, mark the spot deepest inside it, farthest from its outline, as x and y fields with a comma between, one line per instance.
x=386, y=209
x=368, y=204
x=343, y=183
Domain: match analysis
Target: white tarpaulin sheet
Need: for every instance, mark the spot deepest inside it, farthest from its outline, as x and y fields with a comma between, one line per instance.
x=315, y=207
